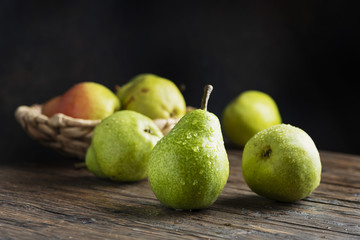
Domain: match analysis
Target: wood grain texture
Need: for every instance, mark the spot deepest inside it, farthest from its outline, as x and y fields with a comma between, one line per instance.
x=53, y=200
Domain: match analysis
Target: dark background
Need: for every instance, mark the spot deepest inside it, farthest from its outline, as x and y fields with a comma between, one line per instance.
x=304, y=54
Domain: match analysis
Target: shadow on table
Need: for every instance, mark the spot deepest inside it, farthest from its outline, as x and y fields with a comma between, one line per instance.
x=250, y=202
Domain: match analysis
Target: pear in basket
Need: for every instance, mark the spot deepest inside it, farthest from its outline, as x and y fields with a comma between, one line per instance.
x=153, y=96
x=86, y=100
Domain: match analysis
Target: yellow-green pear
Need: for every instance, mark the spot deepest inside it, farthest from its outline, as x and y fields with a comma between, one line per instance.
x=153, y=96
x=188, y=168
x=121, y=146
x=281, y=163
x=247, y=114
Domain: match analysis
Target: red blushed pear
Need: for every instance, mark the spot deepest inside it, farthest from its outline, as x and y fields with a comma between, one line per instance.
x=51, y=106
x=86, y=100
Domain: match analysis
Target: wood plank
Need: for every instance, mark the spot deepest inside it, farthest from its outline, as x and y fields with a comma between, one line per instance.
x=42, y=200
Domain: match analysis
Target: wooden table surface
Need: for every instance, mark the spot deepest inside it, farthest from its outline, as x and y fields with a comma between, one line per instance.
x=53, y=200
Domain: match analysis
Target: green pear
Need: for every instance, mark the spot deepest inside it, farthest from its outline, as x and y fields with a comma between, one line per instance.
x=153, y=96
x=188, y=168
x=282, y=163
x=247, y=114
x=86, y=100
x=121, y=145
x=92, y=164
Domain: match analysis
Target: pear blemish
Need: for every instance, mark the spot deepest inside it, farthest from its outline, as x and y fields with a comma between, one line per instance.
x=266, y=153
x=148, y=130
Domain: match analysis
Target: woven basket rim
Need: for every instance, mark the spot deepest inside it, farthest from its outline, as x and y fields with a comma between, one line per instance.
x=68, y=135
x=33, y=112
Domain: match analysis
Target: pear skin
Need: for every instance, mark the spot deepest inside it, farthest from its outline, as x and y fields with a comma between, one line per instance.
x=88, y=100
x=153, y=96
x=92, y=164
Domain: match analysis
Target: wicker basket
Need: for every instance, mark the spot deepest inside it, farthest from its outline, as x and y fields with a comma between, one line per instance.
x=69, y=136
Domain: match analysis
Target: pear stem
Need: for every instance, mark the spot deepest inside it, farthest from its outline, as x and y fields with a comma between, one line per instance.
x=207, y=91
